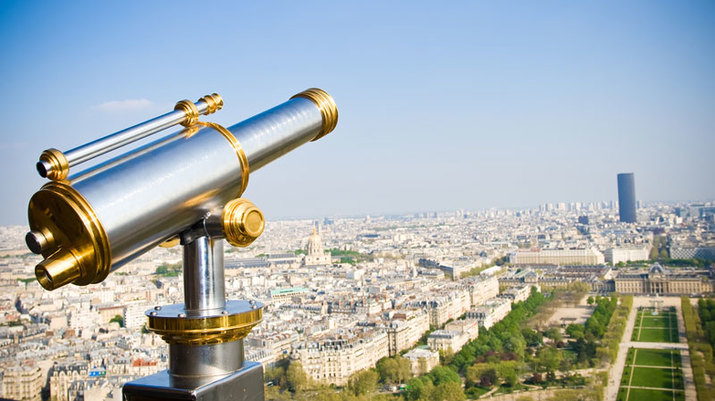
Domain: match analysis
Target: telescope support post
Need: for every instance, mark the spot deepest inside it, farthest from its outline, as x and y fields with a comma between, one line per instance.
x=199, y=369
x=203, y=276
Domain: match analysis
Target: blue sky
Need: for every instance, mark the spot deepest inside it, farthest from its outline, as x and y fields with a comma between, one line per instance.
x=442, y=105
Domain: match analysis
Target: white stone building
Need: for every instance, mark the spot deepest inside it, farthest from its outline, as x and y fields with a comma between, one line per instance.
x=333, y=360
x=617, y=255
x=422, y=360
x=584, y=256
x=491, y=312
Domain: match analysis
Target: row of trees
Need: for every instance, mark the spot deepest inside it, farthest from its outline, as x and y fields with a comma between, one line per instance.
x=503, y=341
x=168, y=269
x=291, y=383
x=595, y=325
x=706, y=307
x=441, y=384
x=701, y=351
x=588, y=335
x=666, y=261
x=659, y=249
x=608, y=349
x=289, y=377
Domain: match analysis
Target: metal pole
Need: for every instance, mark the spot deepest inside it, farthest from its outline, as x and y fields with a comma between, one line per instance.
x=204, y=292
x=203, y=370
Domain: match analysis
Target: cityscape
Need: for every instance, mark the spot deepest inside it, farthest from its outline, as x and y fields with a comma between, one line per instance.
x=380, y=306
x=357, y=201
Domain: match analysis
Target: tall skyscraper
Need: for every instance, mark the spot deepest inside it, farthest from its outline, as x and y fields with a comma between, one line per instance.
x=627, y=197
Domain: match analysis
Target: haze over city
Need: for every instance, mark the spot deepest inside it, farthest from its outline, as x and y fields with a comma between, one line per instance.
x=466, y=105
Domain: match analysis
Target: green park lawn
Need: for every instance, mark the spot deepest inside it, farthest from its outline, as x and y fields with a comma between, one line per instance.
x=662, y=327
x=664, y=382
x=657, y=378
x=657, y=357
x=639, y=394
x=659, y=335
x=656, y=321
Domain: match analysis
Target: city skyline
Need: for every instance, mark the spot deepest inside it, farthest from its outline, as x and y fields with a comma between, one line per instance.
x=375, y=288
x=441, y=108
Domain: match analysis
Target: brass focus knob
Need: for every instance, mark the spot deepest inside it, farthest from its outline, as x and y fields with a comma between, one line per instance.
x=242, y=221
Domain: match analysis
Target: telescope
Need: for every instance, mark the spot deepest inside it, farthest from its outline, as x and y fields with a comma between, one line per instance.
x=184, y=188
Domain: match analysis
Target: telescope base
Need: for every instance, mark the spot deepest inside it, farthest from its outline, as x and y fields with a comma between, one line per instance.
x=245, y=384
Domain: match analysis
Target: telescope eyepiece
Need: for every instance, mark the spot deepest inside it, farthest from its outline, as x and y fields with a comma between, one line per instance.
x=53, y=165
x=39, y=241
x=61, y=268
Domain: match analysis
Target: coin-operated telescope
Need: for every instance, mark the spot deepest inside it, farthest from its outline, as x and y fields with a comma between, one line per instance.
x=184, y=188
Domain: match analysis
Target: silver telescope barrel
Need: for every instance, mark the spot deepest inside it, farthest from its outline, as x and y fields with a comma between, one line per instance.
x=110, y=214
x=55, y=165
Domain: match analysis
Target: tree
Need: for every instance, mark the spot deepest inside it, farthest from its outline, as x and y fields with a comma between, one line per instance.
x=393, y=370
x=548, y=359
x=554, y=333
x=420, y=388
x=532, y=337
x=575, y=331
x=511, y=379
x=363, y=383
x=441, y=374
x=119, y=319
x=273, y=394
x=386, y=369
x=446, y=356
x=471, y=375
x=328, y=395
x=590, y=300
x=488, y=378
x=414, y=389
x=404, y=368
x=449, y=391
x=296, y=379
x=275, y=375
x=515, y=344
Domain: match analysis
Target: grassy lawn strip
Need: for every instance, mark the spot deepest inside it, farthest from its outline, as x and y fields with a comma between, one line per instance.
x=655, y=336
x=655, y=321
x=654, y=357
x=654, y=377
x=638, y=394
x=626, y=378
x=663, y=377
x=662, y=327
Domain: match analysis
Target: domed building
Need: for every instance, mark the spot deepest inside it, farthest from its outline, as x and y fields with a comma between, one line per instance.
x=661, y=281
x=316, y=255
